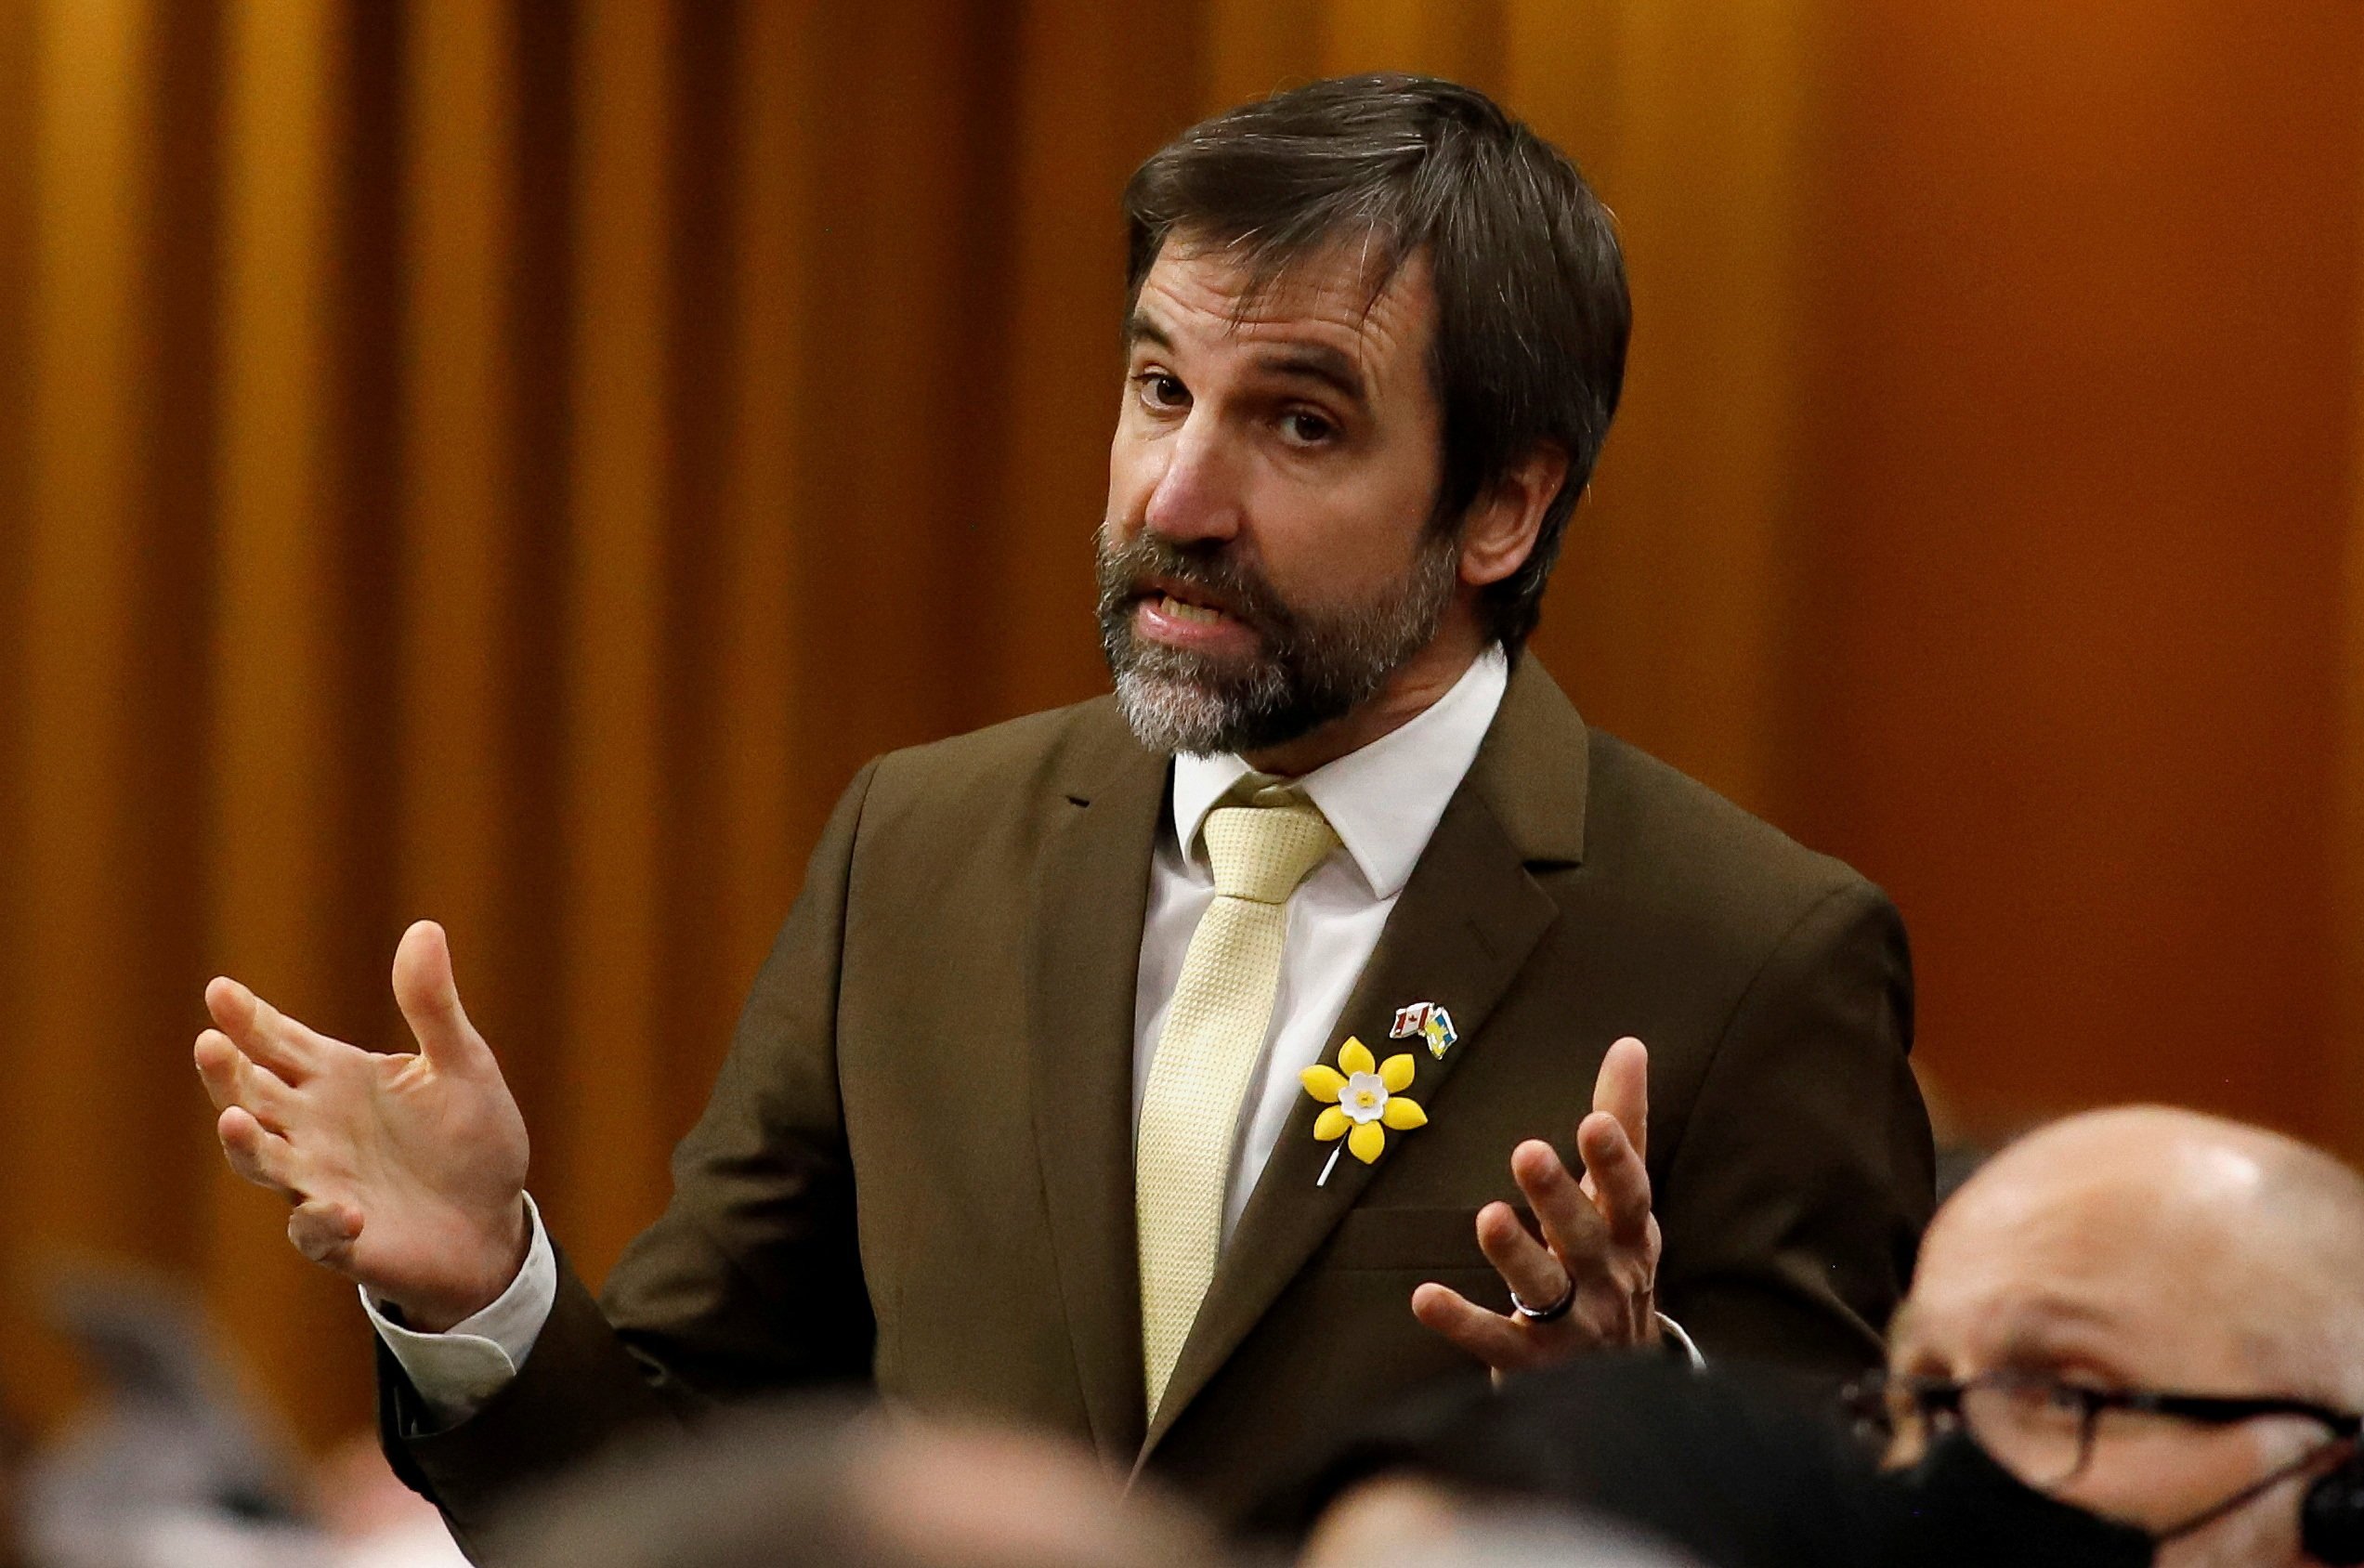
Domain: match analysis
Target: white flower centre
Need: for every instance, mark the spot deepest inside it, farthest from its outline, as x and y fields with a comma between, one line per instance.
x=1365, y=1097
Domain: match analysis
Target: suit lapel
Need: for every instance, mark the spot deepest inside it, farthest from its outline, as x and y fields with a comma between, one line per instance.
x=1458, y=935
x=1086, y=908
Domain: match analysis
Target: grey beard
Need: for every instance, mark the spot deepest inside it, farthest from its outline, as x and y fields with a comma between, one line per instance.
x=1174, y=712
x=1309, y=672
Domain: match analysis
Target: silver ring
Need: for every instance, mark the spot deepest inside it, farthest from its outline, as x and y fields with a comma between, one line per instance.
x=1551, y=1313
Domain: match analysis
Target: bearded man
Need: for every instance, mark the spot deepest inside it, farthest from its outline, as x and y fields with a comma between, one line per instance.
x=1181, y=1070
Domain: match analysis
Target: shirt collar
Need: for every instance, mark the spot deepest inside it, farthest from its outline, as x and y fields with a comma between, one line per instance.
x=1383, y=801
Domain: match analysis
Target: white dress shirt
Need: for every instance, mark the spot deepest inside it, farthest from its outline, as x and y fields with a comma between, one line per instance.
x=1383, y=802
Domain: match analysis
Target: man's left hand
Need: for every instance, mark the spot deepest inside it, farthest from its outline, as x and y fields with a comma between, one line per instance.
x=1598, y=1249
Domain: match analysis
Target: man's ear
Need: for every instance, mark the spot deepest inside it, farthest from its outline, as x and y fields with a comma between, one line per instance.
x=1499, y=532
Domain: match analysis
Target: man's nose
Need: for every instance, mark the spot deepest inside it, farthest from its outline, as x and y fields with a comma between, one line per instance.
x=1197, y=496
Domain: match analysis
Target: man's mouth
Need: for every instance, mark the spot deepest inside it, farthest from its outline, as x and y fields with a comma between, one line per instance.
x=1186, y=601
x=1197, y=615
x=1183, y=614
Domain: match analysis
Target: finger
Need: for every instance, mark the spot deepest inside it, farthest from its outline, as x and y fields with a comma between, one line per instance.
x=1623, y=1090
x=1570, y=1223
x=325, y=1231
x=265, y=1035
x=429, y=998
x=1490, y=1337
x=1619, y=1181
x=232, y=1079
x=1520, y=1260
x=217, y=1066
x=257, y=1153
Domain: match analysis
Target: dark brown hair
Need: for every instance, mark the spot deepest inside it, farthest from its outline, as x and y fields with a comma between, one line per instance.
x=1531, y=310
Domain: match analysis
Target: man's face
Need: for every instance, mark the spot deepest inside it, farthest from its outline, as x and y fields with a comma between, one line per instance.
x=1266, y=561
x=2116, y=1265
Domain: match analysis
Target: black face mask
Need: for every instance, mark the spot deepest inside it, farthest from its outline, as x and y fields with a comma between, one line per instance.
x=1958, y=1506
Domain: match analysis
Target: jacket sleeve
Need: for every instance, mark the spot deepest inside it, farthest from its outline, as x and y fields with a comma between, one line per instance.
x=750, y=1281
x=1796, y=1195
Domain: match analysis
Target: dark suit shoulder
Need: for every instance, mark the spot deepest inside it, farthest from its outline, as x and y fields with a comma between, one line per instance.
x=1001, y=778
x=1679, y=851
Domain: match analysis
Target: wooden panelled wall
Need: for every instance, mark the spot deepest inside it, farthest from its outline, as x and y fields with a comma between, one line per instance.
x=513, y=462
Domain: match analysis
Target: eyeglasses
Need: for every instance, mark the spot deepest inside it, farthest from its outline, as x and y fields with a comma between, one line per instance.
x=2042, y=1429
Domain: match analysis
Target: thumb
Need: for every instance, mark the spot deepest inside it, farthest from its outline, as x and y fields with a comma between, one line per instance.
x=429, y=998
x=1623, y=1090
x=324, y=1232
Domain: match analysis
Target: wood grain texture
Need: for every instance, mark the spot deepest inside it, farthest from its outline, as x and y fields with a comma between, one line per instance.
x=281, y=658
x=2079, y=480
x=85, y=347
x=1671, y=609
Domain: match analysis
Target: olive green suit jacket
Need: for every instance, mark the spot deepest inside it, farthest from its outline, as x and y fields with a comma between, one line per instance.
x=916, y=1168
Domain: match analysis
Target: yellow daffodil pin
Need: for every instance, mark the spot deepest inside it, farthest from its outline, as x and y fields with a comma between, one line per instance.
x=1362, y=1098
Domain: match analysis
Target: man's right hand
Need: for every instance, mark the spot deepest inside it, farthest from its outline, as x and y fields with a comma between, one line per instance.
x=407, y=1172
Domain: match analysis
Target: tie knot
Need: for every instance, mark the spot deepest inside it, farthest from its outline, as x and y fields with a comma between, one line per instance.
x=1261, y=851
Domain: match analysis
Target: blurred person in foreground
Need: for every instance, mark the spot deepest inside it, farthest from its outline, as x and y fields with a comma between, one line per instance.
x=1736, y=1468
x=1411, y=1527
x=1170, y=1071
x=825, y=1485
x=2135, y=1336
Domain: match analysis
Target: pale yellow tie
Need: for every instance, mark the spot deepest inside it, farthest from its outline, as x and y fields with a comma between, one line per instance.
x=1214, y=1033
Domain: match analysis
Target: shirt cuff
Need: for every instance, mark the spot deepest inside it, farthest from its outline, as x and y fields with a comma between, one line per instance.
x=1673, y=1331
x=456, y=1371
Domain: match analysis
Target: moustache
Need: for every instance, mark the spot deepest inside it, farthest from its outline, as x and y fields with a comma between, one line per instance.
x=1147, y=564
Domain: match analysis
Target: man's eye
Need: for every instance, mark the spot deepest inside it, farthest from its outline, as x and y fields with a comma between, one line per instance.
x=1307, y=429
x=1162, y=391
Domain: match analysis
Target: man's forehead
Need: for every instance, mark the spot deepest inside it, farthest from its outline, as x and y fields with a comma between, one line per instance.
x=2025, y=1309
x=1348, y=293
x=2092, y=1268
x=2029, y=1225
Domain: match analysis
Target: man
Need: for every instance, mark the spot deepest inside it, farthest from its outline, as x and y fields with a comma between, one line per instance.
x=2140, y=1331
x=1124, y=1069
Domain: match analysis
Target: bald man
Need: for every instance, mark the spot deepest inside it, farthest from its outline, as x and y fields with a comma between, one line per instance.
x=2120, y=1255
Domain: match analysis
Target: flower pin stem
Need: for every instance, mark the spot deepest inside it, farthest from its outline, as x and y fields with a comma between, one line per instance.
x=1324, y=1179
